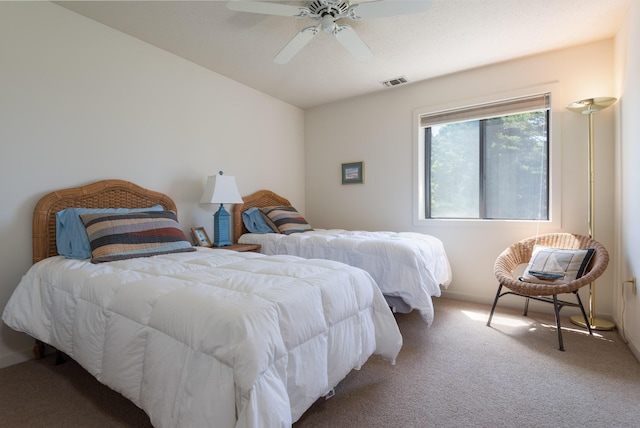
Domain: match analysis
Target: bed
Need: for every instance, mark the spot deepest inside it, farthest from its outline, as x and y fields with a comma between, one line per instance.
x=410, y=268
x=200, y=336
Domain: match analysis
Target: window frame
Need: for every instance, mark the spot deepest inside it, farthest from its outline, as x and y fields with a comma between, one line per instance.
x=420, y=162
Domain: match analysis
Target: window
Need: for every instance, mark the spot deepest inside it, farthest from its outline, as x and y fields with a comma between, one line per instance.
x=488, y=162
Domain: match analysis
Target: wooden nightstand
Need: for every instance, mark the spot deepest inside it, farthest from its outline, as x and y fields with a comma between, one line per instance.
x=242, y=247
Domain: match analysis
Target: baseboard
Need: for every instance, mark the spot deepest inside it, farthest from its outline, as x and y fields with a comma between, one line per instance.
x=514, y=302
x=633, y=347
x=16, y=358
x=466, y=297
x=634, y=350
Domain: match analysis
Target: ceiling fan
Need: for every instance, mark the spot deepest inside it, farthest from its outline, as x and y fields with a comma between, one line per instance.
x=328, y=12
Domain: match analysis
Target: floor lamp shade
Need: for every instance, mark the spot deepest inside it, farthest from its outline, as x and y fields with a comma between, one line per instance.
x=221, y=189
x=588, y=107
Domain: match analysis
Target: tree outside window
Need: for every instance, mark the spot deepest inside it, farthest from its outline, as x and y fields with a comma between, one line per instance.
x=490, y=168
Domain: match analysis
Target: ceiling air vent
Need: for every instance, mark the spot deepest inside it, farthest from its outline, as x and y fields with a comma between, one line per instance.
x=394, y=82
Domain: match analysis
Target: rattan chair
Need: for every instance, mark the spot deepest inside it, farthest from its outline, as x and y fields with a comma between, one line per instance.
x=520, y=253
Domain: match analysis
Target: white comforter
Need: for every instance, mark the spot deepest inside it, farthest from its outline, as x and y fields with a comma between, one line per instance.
x=213, y=337
x=407, y=265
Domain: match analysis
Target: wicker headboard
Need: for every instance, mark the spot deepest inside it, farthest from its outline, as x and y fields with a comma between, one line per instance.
x=260, y=199
x=102, y=194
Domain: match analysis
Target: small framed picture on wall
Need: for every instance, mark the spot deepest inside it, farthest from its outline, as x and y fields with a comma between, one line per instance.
x=201, y=237
x=353, y=173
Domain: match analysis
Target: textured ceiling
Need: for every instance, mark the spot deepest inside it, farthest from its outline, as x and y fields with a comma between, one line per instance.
x=452, y=35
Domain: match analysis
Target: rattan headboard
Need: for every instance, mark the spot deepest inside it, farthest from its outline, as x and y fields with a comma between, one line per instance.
x=260, y=199
x=102, y=194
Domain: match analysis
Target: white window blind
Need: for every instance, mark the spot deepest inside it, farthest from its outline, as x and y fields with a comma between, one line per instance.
x=485, y=111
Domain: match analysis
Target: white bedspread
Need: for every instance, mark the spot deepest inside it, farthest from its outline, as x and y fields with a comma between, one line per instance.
x=408, y=265
x=209, y=337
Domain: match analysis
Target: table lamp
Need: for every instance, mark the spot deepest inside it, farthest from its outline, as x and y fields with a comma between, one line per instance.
x=221, y=189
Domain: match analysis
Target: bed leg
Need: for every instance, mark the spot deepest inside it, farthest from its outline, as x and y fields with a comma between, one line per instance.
x=38, y=350
x=38, y=353
x=330, y=394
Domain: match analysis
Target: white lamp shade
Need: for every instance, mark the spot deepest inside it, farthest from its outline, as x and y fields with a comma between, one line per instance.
x=221, y=189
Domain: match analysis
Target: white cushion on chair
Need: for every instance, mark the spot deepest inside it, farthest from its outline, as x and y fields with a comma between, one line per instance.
x=556, y=265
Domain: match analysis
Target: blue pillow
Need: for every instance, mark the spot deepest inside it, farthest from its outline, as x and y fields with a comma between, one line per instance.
x=71, y=235
x=255, y=222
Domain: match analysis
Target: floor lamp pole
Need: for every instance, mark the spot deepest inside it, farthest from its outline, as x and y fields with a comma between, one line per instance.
x=591, y=106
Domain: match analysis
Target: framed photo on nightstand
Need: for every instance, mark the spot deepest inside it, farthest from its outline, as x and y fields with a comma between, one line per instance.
x=201, y=237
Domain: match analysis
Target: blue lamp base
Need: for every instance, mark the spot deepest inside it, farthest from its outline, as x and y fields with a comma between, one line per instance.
x=221, y=236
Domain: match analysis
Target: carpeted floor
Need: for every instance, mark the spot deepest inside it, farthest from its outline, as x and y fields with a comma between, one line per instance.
x=457, y=373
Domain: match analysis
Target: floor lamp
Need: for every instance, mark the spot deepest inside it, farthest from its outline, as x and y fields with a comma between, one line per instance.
x=589, y=107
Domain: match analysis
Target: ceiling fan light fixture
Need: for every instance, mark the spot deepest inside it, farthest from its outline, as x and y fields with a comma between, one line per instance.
x=327, y=24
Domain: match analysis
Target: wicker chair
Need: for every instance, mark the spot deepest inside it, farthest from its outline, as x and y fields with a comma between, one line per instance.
x=520, y=253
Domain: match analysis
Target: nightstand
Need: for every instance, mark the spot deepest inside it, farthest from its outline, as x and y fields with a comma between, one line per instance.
x=242, y=247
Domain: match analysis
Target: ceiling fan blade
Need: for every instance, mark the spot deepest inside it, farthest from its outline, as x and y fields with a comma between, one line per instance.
x=352, y=42
x=380, y=9
x=267, y=8
x=297, y=43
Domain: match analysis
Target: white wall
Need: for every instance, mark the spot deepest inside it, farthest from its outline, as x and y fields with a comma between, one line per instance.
x=628, y=177
x=378, y=130
x=80, y=102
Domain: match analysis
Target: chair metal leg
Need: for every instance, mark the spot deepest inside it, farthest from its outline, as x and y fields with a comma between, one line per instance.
x=584, y=313
x=557, y=311
x=495, y=302
x=557, y=306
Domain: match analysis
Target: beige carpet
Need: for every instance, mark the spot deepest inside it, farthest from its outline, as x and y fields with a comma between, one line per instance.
x=457, y=373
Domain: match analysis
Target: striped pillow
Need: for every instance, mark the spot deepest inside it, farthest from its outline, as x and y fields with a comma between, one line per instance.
x=286, y=219
x=127, y=236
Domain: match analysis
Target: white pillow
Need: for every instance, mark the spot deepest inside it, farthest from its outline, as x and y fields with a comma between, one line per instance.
x=556, y=265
